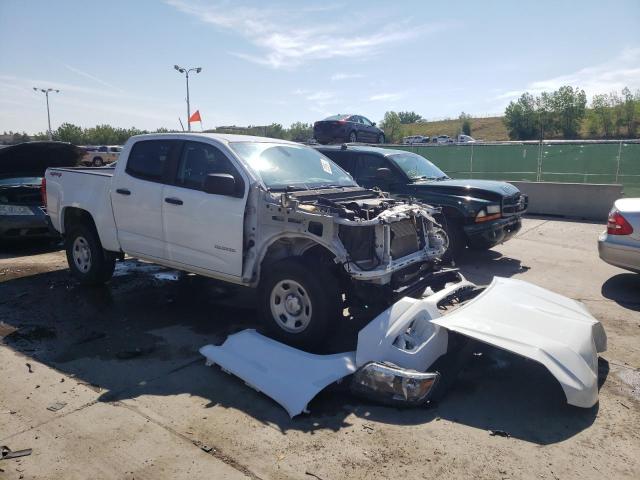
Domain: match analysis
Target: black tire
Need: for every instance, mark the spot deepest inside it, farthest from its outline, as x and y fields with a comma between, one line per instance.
x=320, y=302
x=381, y=138
x=353, y=137
x=82, y=242
x=97, y=162
x=457, y=241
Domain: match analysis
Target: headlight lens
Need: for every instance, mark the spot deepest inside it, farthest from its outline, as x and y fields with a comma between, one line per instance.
x=493, y=209
x=15, y=210
x=392, y=385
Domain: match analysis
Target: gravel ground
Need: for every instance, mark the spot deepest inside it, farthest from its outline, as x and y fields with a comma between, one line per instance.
x=138, y=401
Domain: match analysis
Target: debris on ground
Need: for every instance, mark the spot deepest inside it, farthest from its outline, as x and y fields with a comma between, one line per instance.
x=6, y=453
x=29, y=367
x=313, y=475
x=54, y=407
x=499, y=433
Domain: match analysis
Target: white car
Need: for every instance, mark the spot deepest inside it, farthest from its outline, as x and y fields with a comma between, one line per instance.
x=619, y=245
x=100, y=156
x=415, y=139
x=264, y=213
x=465, y=139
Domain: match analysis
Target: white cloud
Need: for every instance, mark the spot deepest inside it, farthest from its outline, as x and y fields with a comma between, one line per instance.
x=621, y=71
x=286, y=40
x=345, y=76
x=92, y=77
x=385, y=97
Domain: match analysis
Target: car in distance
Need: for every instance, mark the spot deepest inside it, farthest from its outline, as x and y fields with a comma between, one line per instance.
x=347, y=128
x=22, y=212
x=100, y=156
x=478, y=214
x=415, y=139
x=258, y=212
x=465, y=139
x=619, y=245
x=442, y=139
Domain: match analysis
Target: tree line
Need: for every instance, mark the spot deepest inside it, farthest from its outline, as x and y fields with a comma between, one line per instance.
x=108, y=135
x=563, y=112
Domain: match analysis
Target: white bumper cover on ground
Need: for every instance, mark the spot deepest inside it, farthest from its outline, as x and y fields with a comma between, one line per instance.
x=513, y=315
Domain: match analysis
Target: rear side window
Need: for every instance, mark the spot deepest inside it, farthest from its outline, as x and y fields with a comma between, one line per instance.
x=148, y=159
x=199, y=160
x=366, y=166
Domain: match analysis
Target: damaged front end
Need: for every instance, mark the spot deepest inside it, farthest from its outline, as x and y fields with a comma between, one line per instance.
x=396, y=351
x=376, y=240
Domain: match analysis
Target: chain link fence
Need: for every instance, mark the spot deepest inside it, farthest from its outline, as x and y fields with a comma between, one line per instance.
x=548, y=161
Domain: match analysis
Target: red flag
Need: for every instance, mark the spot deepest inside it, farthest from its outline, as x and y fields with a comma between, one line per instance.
x=195, y=117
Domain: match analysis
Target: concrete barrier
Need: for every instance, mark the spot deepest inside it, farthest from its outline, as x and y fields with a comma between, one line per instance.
x=587, y=201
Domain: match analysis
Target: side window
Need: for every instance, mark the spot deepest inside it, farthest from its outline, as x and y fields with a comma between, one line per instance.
x=355, y=119
x=102, y=149
x=149, y=158
x=366, y=122
x=199, y=160
x=366, y=166
x=344, y=160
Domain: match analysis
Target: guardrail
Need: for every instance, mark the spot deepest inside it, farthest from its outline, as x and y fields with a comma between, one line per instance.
x=597, y=162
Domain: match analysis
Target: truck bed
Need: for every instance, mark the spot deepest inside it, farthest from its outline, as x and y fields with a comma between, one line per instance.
x=102, y=171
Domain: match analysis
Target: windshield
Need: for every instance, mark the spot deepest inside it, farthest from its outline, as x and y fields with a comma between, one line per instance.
x=417, y=167
x=282, y=165
x=21, y=181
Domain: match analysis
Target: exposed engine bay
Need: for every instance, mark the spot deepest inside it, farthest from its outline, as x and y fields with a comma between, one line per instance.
x=375, y=238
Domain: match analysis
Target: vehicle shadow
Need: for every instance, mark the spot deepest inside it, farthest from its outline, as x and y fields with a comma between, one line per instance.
x=480, y=266
x=139, y=336
x=25, y=248
x=624, y=289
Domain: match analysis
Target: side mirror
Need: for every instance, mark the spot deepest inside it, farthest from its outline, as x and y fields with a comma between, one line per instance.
x=220, y=184
x=374, y=124
x=384, y=174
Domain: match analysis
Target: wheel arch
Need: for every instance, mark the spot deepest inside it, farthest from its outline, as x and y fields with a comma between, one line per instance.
x=287, y=246
x=73, y=215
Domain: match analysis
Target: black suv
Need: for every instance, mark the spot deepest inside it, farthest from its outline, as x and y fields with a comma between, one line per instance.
x=347, y=128
x=475, y=213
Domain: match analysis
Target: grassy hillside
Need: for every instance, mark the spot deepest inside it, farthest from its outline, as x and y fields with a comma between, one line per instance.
x=490, y=128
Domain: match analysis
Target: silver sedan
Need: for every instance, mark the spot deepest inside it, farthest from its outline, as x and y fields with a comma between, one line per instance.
x=619, y=245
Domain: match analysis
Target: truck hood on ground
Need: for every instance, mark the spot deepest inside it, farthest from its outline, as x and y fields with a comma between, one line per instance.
x=485, y=189
x=538, y=324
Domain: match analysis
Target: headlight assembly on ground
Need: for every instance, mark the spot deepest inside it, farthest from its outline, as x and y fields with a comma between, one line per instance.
x=390, y=384
x=15, y=210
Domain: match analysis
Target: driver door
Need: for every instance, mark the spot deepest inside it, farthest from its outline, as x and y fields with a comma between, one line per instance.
x=204, y=230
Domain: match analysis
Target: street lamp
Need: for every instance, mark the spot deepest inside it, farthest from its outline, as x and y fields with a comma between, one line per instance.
x=46, y=92
x=186, y=72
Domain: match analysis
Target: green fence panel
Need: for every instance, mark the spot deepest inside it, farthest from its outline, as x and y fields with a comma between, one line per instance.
x=578, y=162
x=505, y=162
x=582, y=159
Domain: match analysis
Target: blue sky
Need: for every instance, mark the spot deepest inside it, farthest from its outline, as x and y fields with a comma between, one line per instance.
x=286, y=61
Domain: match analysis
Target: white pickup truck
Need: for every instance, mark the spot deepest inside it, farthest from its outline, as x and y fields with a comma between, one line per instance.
x=259, y=212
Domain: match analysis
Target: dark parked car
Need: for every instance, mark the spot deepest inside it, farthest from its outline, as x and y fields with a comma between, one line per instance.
x=347, y=128
x=475, y=213
x=22, y=212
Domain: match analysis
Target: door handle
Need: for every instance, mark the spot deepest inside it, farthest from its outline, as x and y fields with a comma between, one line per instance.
x=173, y=201
x=123, y=191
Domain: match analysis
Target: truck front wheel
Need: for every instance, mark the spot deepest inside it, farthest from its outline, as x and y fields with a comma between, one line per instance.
x=88, y=261
x=300, y=301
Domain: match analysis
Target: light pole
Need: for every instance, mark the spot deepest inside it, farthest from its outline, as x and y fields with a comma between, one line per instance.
x=46, y=94
x=186, y=74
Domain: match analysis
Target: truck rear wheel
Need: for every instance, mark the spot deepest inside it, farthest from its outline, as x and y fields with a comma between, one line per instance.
x=300, y=301
x=88, y=261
